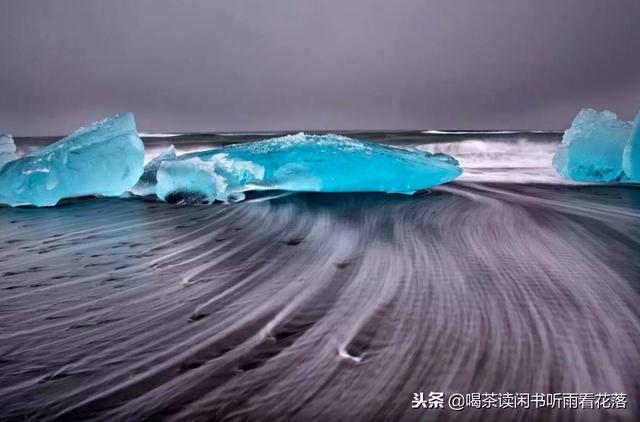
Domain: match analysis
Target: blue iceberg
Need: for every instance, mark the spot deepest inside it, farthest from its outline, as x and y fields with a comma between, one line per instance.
x=307, y=163
x=592, y=148
x=7, y=149
x=631, y=157
x=105, y=158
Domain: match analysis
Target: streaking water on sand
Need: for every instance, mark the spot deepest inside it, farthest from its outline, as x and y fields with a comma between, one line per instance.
x=325, y=306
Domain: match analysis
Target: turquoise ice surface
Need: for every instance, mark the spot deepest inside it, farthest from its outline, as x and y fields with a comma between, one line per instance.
x=631, y=158
x=304, y=163
x=593, y=147
x=105, y=158
x=147, y=183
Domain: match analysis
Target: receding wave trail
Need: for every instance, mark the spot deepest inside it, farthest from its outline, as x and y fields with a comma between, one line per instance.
x=320, y=307
x=316, y=307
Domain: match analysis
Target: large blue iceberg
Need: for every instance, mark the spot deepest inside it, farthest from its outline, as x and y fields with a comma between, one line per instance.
x=307, y=163
x=105, y=158
x=592, y=148
x=600, y=148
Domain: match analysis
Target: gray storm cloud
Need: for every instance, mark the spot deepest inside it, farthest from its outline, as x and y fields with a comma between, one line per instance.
x=264, y=65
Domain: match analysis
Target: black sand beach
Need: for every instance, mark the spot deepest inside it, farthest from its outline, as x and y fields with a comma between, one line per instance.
x=319, y=306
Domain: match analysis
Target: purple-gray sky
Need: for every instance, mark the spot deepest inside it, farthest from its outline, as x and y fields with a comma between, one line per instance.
x=213, y=65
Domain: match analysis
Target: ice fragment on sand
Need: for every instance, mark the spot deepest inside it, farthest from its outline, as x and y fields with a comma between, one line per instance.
x=592, y=148
x=308, y=163
x=147, y=183
x=104, y=158
x=631, y=158
x=7, y=149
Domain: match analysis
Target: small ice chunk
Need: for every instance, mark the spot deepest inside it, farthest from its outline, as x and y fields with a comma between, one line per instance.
x=147, y=183
x=307, y=163
x=197, y=180
x=7, y=149
x=105, y=158
x=592, y=148
x=631, y=158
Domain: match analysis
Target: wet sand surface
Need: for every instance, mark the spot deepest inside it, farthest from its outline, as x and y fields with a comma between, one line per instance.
x=317, y=307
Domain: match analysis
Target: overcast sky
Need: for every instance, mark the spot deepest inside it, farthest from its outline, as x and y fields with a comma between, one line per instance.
x=214, y=65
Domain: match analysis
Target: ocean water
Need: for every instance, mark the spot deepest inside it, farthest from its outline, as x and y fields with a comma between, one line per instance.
x=316, y=307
